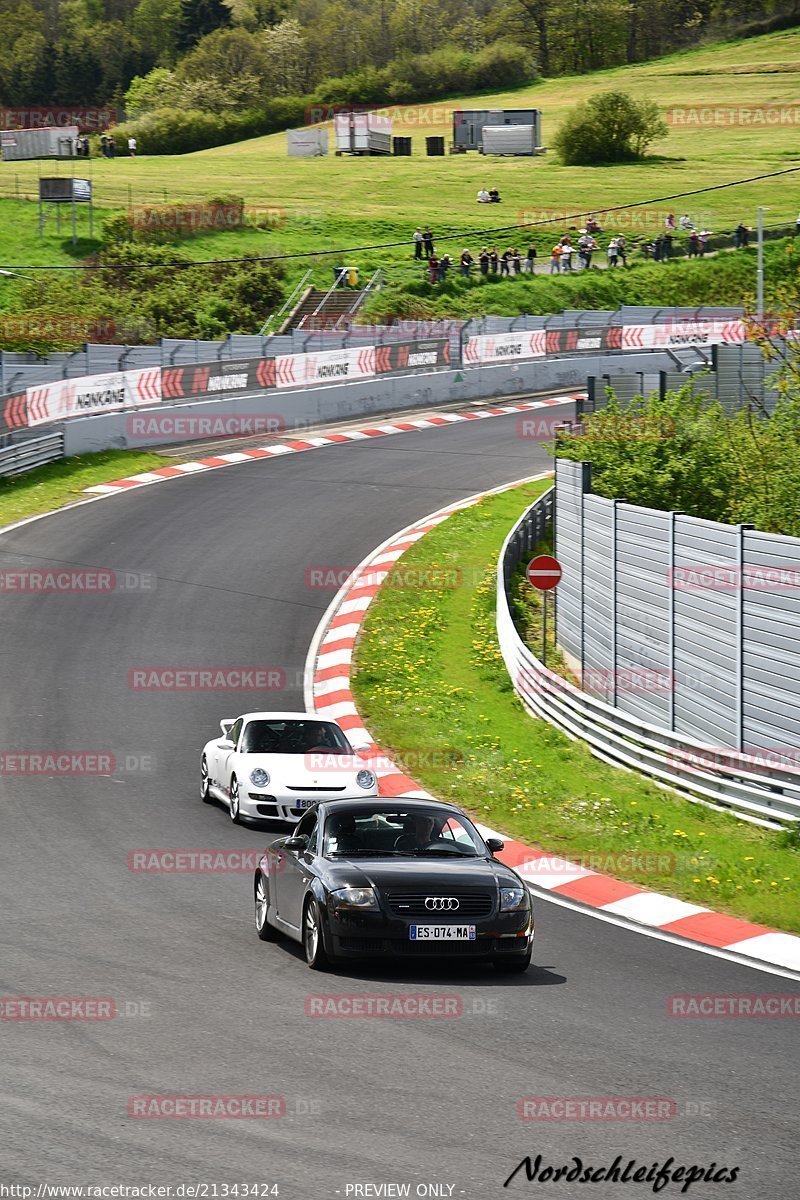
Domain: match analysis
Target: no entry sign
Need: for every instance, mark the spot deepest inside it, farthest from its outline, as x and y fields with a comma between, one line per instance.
x=543, y=572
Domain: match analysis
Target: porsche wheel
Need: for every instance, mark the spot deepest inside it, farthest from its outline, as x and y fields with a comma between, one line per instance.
x=233, y=800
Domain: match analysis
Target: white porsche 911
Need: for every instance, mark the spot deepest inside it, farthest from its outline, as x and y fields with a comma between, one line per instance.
x=278, y=764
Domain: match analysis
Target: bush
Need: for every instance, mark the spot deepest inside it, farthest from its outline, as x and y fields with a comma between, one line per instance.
x=181, y=131
x=610, y=127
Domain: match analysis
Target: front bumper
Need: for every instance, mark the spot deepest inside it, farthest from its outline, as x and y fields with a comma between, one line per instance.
x=376, y=935
x=288, y=806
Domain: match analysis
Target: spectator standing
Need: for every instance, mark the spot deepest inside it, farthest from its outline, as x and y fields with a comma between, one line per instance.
x=666, y=248
x=530, y=259
x=741, y=236
x=483, y=261
x=504, y=267
x=427, y=242
x=418, y=242
x=797, y=224
x=658, y=248
x=104, y=145
x=494, y=260
x=648, y=249
x=516, y=262
x=555, y=259
x=703, y=237
x=622, y=249
x=567, y=251
x=445, y=263
x=433, y=269
x=694, y=244
x=613, y=250
x=466, y=262
x=112, y=146
x=132, y=147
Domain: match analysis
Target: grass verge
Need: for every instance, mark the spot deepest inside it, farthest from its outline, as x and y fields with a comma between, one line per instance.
x=433, y=690
x=62, y=482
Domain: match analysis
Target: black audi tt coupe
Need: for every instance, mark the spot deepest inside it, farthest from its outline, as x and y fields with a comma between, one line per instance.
x=390, y=878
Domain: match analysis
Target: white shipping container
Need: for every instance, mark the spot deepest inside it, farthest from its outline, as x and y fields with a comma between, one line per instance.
x=307, y=143
x=48, y=142
x=363, y=133
x=509, y=139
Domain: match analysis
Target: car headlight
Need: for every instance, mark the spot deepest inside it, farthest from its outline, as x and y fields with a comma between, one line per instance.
x=365, y=779
x=352, y=897
x=513, y=898
x=259, y=777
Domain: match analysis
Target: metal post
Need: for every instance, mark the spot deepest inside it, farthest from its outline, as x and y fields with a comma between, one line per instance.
x=544, y=629
x=760, y=271
x=585, y=486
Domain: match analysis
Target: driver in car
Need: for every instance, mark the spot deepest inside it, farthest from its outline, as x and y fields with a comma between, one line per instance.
x=347, y=837
x=419, y=836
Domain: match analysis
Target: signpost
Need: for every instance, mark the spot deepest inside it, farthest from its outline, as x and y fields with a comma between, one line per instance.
x=544, y=573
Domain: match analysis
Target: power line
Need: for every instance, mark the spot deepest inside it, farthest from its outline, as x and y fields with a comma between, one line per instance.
x=473, y=233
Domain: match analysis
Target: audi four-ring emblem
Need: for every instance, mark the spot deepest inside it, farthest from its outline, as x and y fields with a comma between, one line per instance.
x=441, y=903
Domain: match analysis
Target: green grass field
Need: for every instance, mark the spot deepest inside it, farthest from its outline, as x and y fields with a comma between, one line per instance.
x=434, y=692
x=323, y=204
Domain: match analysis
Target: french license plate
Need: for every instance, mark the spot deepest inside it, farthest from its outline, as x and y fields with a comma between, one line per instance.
x=442, y=933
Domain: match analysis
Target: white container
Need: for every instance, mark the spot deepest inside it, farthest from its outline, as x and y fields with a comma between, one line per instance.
x=362, y=133
x=307, y=143
x=509, y=139
x=48, y=142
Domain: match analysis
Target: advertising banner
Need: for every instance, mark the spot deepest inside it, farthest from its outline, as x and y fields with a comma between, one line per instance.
x=411, y=356
x=675, y=333
x=222, y=377
x=93, y=394
x=505, y=347
x=326, y=366
x=13, y=412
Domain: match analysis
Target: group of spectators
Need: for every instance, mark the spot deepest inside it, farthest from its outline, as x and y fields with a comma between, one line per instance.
x=574, y=251
x=108, y=146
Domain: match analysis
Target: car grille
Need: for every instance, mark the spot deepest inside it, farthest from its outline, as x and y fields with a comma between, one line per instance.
x=289, y=788
x=412, y=904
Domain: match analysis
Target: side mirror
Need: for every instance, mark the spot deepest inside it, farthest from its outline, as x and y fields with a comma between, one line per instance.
x=295, y=843
x=495, y=844
x=362, y=750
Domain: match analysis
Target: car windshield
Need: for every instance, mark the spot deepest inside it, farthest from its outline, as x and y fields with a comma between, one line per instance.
x=400, y=832
x=294, y=737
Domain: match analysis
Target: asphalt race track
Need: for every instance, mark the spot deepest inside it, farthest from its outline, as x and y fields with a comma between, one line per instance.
x=204, y=1007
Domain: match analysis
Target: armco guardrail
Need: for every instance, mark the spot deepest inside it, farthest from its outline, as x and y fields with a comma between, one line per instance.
x=757, y=789
x=30, y=452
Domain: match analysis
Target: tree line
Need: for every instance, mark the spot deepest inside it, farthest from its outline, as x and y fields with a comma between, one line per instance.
x=102, y=51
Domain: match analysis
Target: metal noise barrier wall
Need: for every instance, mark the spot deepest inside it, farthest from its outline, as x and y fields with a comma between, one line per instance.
x=694, y=688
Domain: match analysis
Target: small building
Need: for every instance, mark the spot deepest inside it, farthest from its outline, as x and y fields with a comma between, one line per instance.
x=468, y=125
x=48, y=142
